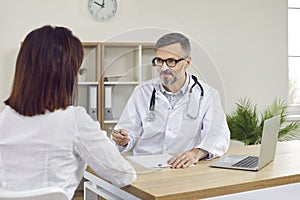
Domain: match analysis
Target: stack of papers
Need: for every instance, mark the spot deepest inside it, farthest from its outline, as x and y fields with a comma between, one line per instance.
x=152, y=161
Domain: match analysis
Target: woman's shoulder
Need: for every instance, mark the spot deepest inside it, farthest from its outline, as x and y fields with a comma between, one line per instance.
x=76, y=111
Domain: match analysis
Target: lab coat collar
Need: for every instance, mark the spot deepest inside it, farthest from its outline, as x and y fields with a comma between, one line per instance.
x=186, y=87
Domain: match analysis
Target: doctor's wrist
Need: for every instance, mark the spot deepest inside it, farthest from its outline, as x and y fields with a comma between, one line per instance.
x=124, y=145
x=201, y=154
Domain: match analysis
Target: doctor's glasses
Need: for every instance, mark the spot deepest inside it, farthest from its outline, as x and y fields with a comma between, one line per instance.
x=170, y=62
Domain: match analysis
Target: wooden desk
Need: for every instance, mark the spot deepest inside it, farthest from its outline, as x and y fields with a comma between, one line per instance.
x=202, y=181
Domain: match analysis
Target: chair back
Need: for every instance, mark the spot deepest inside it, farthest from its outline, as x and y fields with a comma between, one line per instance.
x=47, y=193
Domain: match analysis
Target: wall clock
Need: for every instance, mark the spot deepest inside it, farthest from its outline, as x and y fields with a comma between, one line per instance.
x=102, y=10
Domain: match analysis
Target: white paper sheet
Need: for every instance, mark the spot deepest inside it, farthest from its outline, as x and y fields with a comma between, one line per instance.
x=152, y=161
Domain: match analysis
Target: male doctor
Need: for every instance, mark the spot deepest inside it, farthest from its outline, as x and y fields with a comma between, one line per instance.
x=174, y=113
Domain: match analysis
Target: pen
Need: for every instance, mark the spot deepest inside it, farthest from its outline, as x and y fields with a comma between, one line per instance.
x=163, y=165
x=115, y=131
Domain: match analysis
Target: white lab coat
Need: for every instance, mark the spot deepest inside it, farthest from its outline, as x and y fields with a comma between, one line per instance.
x=172, y=131
x=53, y=149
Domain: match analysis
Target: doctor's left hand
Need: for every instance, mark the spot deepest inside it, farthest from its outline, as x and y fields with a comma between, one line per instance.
x=185, y=159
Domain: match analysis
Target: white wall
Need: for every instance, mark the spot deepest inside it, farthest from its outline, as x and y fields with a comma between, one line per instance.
x=245, y=39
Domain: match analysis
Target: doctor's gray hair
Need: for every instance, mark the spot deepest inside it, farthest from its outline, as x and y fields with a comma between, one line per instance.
x=173, y=38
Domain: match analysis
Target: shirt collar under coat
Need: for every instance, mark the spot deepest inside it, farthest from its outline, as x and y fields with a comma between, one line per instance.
x=187, y=85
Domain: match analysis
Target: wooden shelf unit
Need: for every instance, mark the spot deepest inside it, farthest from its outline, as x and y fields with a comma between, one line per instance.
x=121, y=66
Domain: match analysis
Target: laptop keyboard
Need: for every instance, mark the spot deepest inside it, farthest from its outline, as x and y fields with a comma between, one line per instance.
x=248, y=162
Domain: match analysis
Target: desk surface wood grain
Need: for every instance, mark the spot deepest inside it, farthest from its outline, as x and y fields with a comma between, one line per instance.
x=202, y=181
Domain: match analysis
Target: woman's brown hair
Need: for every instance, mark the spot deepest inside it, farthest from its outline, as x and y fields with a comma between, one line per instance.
x=46, y=71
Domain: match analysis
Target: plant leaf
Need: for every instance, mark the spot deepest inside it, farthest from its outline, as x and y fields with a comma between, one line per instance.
x=245, y=125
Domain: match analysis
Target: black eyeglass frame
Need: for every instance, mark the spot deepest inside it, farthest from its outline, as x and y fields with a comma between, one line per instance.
x=166, y=61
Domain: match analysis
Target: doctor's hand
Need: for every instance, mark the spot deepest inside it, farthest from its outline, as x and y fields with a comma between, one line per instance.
x=121, y=137
x=185, y=159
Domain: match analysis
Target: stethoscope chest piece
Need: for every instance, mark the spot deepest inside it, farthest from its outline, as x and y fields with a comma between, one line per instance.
x=150, y=116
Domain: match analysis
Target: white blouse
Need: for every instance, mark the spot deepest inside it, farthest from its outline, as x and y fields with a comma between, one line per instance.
x=54, y=149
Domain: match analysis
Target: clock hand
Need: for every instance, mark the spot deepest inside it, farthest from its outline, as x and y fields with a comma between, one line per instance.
x=102, y=5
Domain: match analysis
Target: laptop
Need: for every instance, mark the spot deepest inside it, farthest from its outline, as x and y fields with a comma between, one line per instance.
x=267, y=150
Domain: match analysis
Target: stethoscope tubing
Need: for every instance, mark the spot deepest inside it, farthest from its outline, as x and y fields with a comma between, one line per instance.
x=151, y=115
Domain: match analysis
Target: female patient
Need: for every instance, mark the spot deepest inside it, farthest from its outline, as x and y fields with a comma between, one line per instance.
x=44, y=140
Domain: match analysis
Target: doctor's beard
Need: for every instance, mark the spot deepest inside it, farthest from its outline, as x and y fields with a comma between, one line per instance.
x=165, y=81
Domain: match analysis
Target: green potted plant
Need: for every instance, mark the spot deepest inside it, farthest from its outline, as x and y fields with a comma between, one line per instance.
x=82, y=74
x=246, y=124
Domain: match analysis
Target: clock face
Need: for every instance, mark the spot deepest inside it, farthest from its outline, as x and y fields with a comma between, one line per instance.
x=101, y=10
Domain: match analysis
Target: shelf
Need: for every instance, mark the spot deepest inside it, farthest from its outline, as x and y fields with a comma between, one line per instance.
x=88, y=83
x=121, y=66
x=121, y=83
x=110, y=121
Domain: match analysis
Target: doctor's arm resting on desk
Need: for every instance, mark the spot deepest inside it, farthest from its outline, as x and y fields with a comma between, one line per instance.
x=185, y=117
x=215, y=134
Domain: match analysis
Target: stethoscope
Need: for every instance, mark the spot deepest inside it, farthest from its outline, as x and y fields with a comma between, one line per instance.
x=151, y=115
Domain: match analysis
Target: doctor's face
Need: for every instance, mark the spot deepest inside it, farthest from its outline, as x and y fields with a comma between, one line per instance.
x=171, y=64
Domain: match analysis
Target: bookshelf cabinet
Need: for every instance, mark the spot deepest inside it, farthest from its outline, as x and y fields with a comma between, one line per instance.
x=113, y=71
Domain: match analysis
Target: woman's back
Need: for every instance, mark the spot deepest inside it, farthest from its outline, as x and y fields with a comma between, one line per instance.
x=37, y=151
x=48, y=150
x=44, y=140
